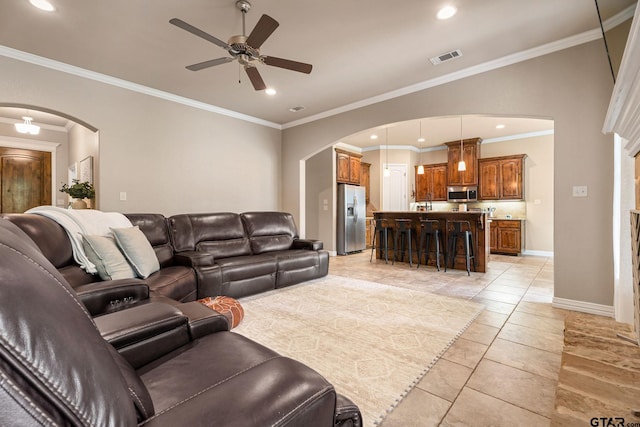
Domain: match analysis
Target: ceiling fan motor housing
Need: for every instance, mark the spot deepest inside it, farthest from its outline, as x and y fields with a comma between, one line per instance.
x=239, y=46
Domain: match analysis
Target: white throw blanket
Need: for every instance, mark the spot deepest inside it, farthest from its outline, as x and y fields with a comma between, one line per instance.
x=83, y=221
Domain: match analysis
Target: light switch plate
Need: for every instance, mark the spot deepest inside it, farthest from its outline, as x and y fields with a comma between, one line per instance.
x=579, y=191
x=123, y=195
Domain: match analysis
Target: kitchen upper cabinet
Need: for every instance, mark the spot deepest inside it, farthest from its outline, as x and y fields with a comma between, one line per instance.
x=365, y=179
x=347, y=167
x=432, y=185
x=470, y=154
x=501, y=178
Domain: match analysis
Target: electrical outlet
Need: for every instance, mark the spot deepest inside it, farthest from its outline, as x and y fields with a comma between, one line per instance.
x=536, y=202
x=579, y=191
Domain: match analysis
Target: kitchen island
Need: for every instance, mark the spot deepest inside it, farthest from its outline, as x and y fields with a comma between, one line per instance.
x=479, y=230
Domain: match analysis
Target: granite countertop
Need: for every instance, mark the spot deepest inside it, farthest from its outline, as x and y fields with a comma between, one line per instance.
x=504, y=218
x=438, y=212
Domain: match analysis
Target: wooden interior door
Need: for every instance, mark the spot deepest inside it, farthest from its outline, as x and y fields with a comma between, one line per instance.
x=25, y=179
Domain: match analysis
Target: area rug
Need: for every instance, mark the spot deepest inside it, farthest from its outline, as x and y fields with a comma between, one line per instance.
x=372, y=341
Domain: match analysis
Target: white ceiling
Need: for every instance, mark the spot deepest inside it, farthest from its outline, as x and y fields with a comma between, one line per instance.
x=359, y=49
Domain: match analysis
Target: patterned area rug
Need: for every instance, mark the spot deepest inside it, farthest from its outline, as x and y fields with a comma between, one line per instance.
x=373, y=342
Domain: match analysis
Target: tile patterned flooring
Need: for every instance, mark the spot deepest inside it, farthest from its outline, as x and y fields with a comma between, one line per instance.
x=503, y=370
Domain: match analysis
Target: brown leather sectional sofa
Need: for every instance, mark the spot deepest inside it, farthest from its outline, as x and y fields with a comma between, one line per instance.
x=176, y=362
x=200, y=255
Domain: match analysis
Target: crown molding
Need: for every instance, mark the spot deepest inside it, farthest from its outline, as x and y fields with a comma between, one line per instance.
x=525, y=55
x=467, y=72
x=124, y=84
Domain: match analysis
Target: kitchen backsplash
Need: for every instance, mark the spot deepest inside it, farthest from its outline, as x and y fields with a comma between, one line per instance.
x=517, y=209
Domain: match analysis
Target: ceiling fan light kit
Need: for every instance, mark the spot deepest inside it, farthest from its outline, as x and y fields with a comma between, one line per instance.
x=245, y=49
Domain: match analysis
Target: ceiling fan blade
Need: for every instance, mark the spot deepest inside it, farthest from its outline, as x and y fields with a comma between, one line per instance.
x=263, y=29
x=300, y=67
x=256, y=79
x=210, y=63
x=198, y=32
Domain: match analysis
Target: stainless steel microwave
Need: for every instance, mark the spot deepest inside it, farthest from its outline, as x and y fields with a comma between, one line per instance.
x=462, y=194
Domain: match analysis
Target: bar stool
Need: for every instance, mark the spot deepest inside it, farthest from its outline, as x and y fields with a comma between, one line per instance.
x=430, y=230
x=403, y=233
x=461, y=229
x=382, y=229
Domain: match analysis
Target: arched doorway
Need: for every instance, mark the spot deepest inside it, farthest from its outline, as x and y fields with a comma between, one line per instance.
x=34, y=167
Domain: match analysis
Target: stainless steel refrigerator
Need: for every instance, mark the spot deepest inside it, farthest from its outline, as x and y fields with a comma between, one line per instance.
x=351, y=219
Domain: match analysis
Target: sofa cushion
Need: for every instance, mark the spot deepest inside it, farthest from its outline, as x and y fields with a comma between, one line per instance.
x=250, y=385
x=244, y=267
x=269, y=231
x=177, y=282
x=221, y=234
x=137, y=249
x=104, y=253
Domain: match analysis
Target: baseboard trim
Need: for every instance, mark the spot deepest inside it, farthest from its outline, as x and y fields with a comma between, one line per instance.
x=538, y=253
x=333, y=253
x=583, y=306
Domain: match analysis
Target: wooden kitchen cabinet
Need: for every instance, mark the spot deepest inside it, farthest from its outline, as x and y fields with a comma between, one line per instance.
x=506, y=236
x=501, y=178
x=347, y=167
x=432, y=185
x=470, y=154
x=365, y=179
x=368, y=235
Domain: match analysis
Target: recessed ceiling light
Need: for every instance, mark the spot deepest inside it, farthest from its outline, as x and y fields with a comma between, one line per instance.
x=43, y=5
x=374, y=136
x=270, y=91
x=499, y=126
x=446, y=12
x=421, y=139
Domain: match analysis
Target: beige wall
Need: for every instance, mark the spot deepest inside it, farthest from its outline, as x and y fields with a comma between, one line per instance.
x=320, y=182
x=169, y=158
x=82, y=144
x=538, y=187
x=573, y=88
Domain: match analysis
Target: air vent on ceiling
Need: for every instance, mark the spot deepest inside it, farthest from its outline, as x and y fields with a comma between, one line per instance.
x=445, y=57
x=296, y=109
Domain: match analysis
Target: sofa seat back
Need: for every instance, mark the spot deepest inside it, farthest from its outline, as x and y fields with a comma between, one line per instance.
x=221, y=234
x=156, y=229
x=269, y=231
x=53, y=242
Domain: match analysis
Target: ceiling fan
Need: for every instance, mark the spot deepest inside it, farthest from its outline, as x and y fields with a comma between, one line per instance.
x=245, y=49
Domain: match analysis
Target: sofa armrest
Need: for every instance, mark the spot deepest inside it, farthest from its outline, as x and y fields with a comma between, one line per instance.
x=146, y=332
x=203, y=320
x=347, y=413
x=312, y=245
x=194, y=258
x=112, y=295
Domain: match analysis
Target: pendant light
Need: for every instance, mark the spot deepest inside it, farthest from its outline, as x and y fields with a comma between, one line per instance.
x=461, y=165
x=387, y=172
x=27, y=126
x=420, y=140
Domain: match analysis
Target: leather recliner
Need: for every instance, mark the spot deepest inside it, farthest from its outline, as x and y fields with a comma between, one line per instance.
x=56, y=369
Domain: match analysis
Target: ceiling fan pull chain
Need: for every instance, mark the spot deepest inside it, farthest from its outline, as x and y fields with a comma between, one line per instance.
x=239, y=74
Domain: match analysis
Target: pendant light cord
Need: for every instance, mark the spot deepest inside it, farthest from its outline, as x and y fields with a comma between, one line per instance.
x=606, y=46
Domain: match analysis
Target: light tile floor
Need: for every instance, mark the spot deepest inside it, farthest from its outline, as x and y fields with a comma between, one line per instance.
x=503, y=370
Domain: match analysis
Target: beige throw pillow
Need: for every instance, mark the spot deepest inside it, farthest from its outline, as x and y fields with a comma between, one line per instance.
x=105, y=254
x=137, y=249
